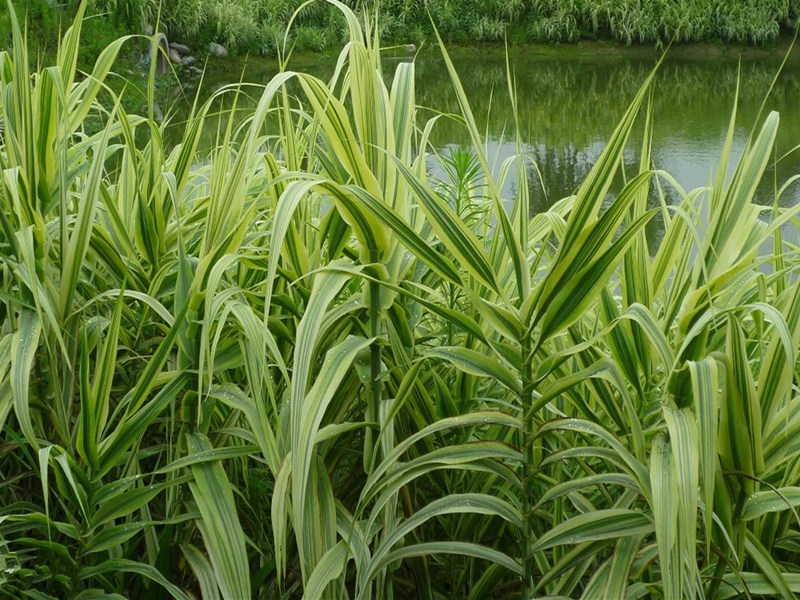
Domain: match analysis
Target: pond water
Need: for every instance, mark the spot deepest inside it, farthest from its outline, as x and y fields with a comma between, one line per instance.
x=570, y=101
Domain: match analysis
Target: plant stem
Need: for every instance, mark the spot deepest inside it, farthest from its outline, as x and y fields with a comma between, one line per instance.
x=528, y=470
x=374, y=399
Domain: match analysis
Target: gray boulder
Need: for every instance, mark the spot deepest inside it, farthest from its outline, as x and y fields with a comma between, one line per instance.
x=188, y=61
x=174, y=57
x=179, y=47
x=217, y=50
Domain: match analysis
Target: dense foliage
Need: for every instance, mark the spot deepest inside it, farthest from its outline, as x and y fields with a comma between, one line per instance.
x=257, y=26
x=297, y=367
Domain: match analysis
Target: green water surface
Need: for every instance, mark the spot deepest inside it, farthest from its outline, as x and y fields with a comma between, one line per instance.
x=571, y=100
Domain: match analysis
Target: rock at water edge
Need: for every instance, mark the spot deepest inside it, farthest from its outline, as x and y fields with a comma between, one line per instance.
x=183, y=49
x=217, y=50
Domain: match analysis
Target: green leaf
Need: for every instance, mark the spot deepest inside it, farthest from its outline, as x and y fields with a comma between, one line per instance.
x=220, y=526
x=458, y=548
x=126, y=502
x=114, y=536
x=705, y=390
x=328, y=569
x=212, y=455
x=665, y=513
x=23, y=352
x=603, y=524
x=736, y=585
x=475, y=363
x=767, y=564
x=115, y=565
x=203, y=571
x=761, y=503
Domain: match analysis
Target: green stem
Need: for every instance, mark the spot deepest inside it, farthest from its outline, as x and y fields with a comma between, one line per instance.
x=719, y=569
x=528, y=471
x=374, y=399
x=383, y=584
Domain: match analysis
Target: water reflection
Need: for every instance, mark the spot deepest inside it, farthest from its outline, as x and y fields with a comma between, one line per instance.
x=569, y=107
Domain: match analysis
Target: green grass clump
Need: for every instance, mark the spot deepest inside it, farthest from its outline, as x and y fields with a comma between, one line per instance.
x=297, y=367
x=257, y=26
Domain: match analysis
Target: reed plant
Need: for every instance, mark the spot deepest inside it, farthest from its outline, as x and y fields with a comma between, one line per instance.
x=300, y=367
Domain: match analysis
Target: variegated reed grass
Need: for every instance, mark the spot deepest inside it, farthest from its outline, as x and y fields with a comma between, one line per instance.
x=300, y=369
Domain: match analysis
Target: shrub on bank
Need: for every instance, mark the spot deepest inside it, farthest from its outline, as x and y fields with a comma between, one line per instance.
x=257, y=26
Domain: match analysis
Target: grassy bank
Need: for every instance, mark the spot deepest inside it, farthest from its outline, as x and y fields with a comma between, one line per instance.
x=257, y=26
x=295, y=367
